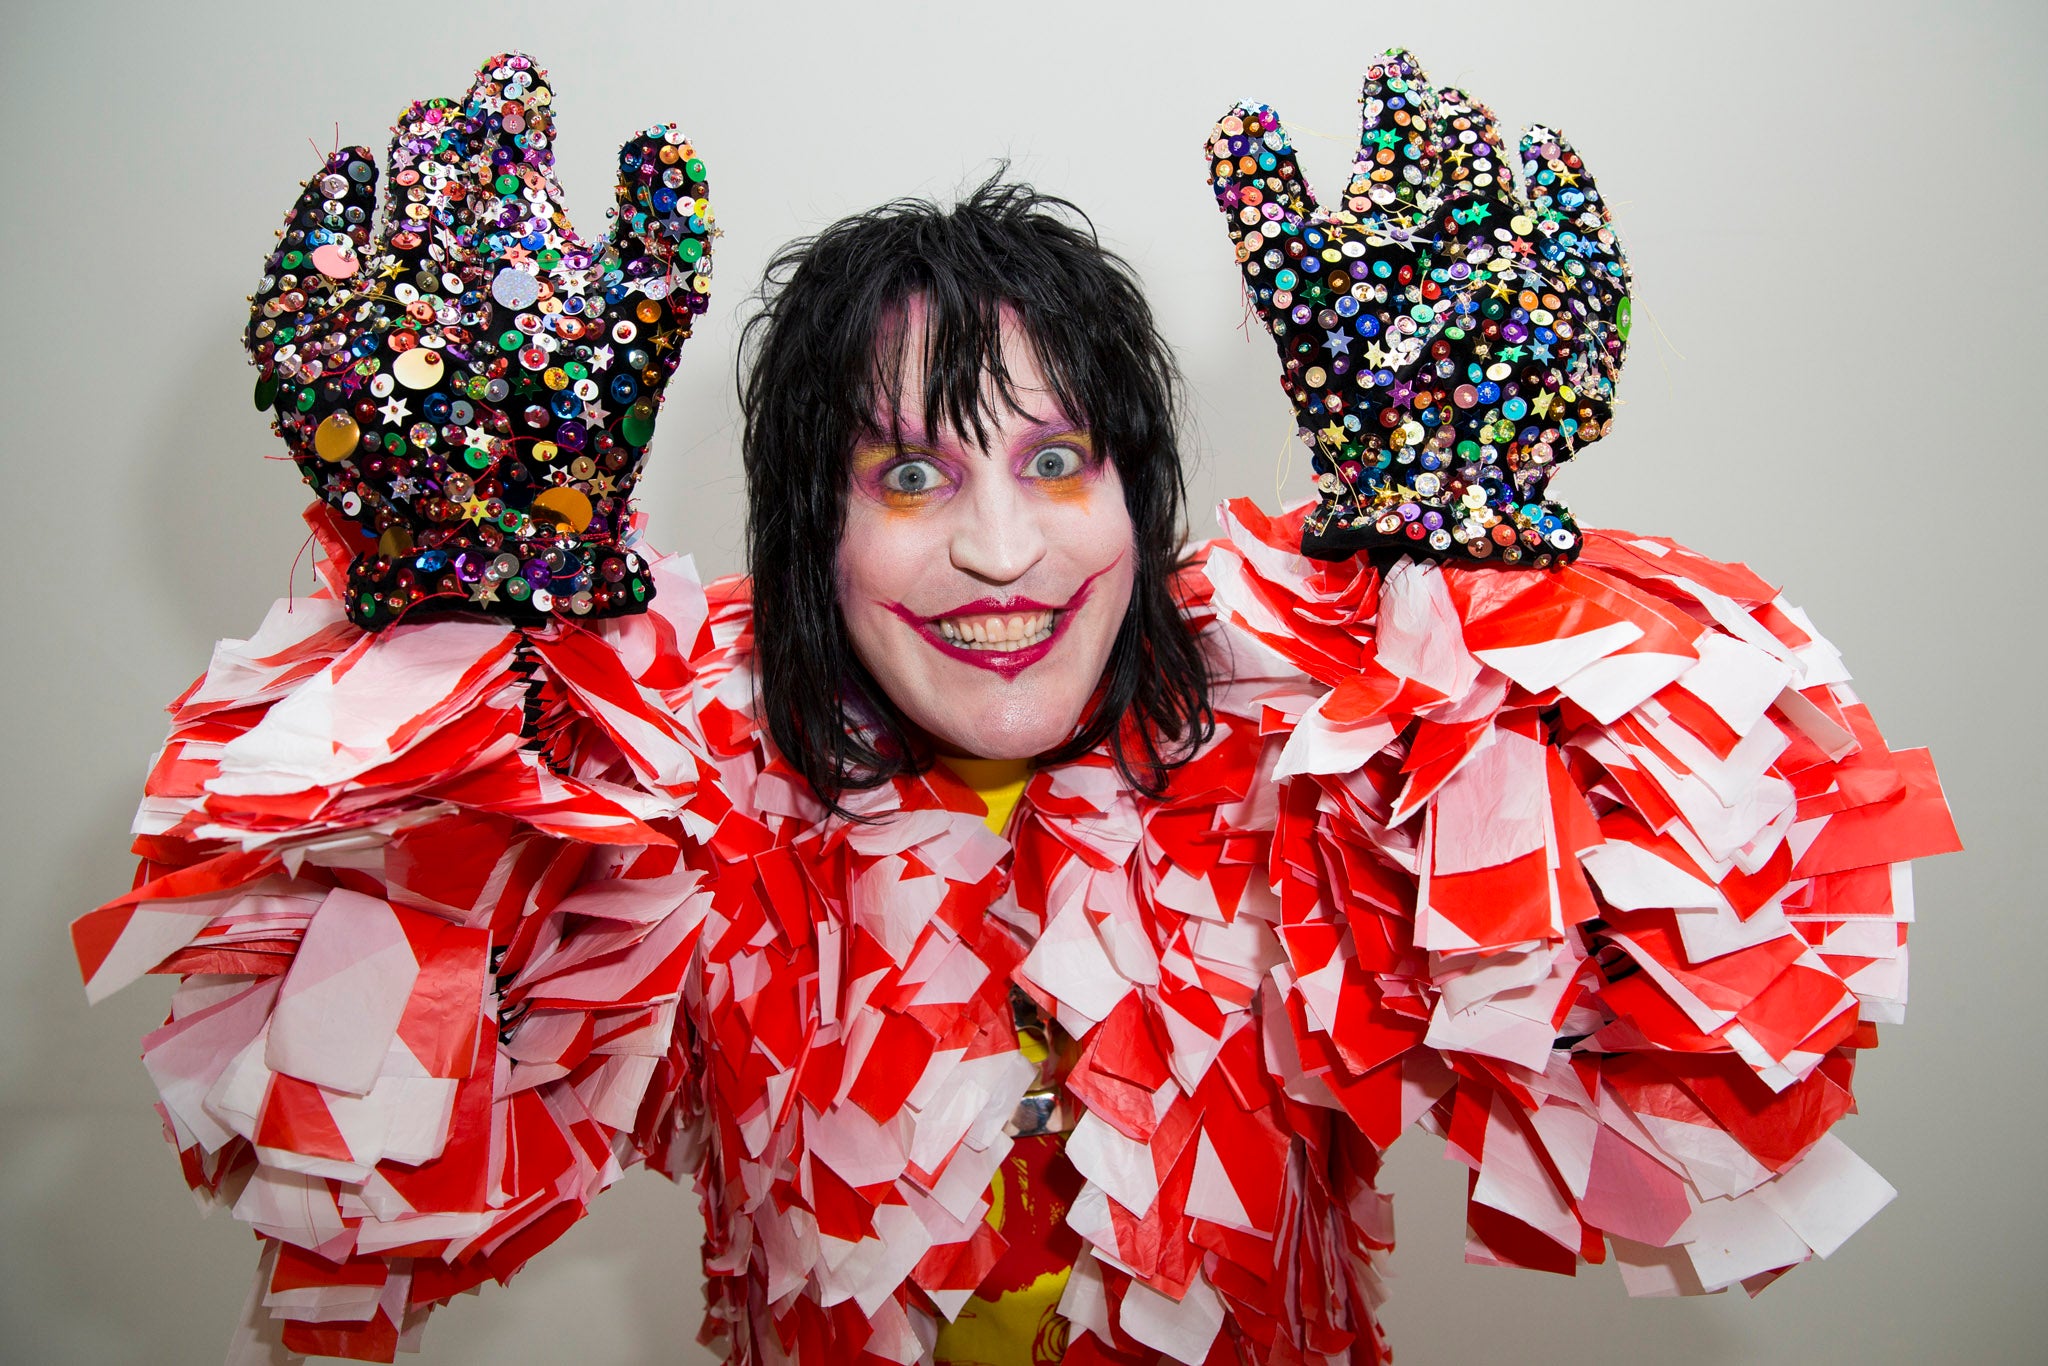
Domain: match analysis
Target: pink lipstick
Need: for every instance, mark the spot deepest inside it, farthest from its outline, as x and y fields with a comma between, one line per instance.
x=974, y=632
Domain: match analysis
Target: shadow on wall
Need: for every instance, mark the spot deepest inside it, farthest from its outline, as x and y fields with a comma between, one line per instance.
x=220, y=502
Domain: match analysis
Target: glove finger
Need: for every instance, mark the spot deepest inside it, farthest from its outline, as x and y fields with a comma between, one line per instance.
x=430, y=188
x=519, y=200
x=1252, y=165
x=1266, y=203
x=318, y=262
x=1478, y=188
x=656, y=266
x=1469, y=147
x=1582, y=244
x=1397, y=172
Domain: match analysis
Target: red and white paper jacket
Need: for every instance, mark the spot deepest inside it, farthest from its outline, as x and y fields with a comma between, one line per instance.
x=1599, y=874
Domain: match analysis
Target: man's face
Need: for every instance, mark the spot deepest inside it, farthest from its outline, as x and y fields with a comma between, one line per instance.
x=983, y=584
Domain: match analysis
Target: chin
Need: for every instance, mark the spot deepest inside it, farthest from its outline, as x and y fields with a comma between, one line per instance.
x=1023, y=726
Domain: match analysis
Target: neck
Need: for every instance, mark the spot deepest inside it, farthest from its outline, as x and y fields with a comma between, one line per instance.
x=985, y=773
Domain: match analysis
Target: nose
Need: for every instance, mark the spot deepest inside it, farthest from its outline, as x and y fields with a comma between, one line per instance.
x=997, y=538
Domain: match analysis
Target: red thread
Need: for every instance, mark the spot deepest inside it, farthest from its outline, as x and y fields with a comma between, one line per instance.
x=291, y=583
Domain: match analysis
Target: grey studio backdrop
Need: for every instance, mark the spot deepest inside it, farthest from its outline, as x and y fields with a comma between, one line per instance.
x=1834, y=214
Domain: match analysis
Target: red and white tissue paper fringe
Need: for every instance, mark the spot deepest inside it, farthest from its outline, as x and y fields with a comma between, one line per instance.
x=1597, y=873
x=1225, y=1221
x=1602, y=875
x=860, y=1056
x=858, y=1060
x=431, y=966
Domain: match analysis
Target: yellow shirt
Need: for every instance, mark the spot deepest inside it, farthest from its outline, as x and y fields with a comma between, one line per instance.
x=1015, y=1325
x=998, y=782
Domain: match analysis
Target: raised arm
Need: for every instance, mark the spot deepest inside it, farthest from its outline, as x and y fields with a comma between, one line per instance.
x=1587, y=856
x=432, y=887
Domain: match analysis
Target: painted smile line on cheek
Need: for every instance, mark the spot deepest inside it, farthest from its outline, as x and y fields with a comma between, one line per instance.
x=1003, y=637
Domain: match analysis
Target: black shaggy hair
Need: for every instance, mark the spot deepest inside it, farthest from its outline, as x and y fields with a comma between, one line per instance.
x=821, y=361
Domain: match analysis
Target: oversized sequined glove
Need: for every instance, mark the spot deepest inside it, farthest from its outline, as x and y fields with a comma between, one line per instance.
x=476, y=391
x=1447, y=339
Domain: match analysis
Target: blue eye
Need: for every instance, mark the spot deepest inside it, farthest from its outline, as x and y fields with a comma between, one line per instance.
x=912, y=476
x=1056, y=462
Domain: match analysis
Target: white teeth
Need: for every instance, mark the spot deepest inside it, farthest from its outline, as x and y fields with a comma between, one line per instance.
x=997, y=633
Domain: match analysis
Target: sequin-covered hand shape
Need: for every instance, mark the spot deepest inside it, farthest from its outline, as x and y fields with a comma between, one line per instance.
x=476, y=391
x=1446, y=338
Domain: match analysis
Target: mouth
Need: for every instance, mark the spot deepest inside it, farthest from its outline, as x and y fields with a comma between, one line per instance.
x=1004, y=637
x=1000, y=634
x=1003, y=642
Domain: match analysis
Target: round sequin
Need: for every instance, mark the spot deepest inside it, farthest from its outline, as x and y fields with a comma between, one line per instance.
x=418, y=368
x=568, y=506
x=515, y=289
x=333, y=261
x=337, y=437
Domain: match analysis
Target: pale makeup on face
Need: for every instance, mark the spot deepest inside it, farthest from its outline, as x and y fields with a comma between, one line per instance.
x=983, y=585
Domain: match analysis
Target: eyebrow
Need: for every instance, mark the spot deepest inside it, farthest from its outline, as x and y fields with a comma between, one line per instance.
x=911, y=436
